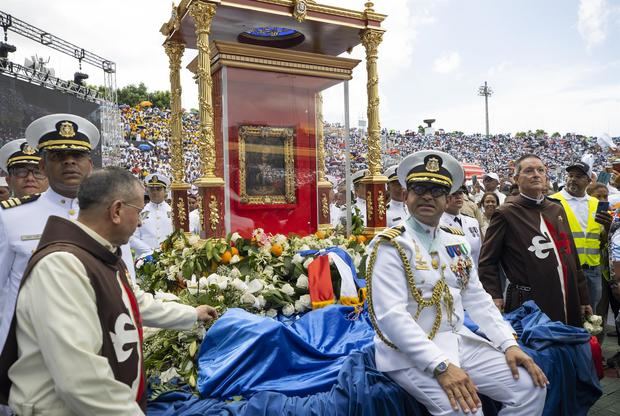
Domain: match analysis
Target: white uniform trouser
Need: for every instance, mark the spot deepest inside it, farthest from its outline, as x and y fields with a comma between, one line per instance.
x=489, y=371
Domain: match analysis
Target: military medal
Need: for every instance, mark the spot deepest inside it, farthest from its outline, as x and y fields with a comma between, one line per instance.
x=435, y=260
x=461, y=269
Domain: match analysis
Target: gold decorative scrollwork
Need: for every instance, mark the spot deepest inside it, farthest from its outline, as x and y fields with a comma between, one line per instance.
x=371, y=38
x=324, y=205
x=261, y=185
x=214, y=213
x=181, y=210
x=200, y=211
x=203, y=14
x=320, y=137
x=369, y=206
x=300, y=9
x=175, y=50
x=381, y=205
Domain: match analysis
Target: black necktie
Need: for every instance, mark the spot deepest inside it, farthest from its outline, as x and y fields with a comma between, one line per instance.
x=458, y=220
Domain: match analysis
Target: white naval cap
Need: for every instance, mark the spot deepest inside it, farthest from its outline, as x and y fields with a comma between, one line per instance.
x=390, y=173
x=157, y=179
x=431, y=166
x=17, y=151
x=62, y=132
x=359, y=175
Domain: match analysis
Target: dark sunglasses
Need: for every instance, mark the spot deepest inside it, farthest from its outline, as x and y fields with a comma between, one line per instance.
x=23, y=172
x=436, y=191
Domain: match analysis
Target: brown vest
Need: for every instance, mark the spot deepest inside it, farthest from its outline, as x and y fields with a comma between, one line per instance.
x=121, y=335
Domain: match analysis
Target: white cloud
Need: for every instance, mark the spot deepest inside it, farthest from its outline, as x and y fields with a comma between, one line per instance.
x=447, y=63
x=592, y=21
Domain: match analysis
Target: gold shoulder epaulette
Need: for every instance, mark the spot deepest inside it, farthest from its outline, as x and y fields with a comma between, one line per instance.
x=15, y=202
x=452, y=230
x=392, y=233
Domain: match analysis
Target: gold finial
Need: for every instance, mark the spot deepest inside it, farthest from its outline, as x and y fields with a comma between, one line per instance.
x=368, y=6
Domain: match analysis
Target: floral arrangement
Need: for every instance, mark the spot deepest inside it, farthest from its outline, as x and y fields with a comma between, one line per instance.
x=264, y=274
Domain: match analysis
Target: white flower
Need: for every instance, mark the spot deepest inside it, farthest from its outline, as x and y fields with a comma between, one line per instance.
x=357, y=260
x=248, y=299
x=235, y=273
x=193, y=239
x=265, y=249
x=178, y=244
x=185, y=252
x=307, y=262
x=234, y=259
x=297, y=259
x=596, y=320
x=268, y=271
x=280, y=239
x=260, y=302
x=212, y=279
x=270, y=287
x=305, y=247
x=255, y=286
x=306, y=301
x=272, y=313
x=222, y=282
x=288, y=290
x=165, y=296
x=288, y=309
x=192, y=287
x=239, y=285
x=235, y=237
x=203, y=282
x=168, y=375
x=302, y=281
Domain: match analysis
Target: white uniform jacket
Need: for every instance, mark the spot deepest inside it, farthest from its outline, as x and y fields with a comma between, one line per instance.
x=360, y=203
x=470, y=226
x=397, y=212
x=395, y=308
x=20, y=230
x=155, y=228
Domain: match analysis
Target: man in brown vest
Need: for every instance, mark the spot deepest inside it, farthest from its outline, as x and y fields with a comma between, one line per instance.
x=78, y=321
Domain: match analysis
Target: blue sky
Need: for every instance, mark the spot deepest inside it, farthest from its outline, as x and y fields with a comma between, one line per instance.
x=553, y=64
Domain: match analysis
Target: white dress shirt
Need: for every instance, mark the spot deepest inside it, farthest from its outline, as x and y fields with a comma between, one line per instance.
x=579, y=205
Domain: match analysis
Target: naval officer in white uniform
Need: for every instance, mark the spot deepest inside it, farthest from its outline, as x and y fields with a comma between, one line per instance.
x=469, y=225
x=156, y=217
x=396, y=208
x=21, y=162
x=65, y=142
x=359, y=190
x=421, y=278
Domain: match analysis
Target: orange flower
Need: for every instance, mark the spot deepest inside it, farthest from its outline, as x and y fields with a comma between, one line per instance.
x=276, y=250
x=361, y=239
x=226, y=257
x=320, y=234
x=234, y=251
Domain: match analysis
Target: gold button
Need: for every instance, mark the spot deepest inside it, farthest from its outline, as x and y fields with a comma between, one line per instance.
x=71, y=212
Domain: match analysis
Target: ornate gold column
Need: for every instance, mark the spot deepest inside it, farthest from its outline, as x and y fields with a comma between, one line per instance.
x=179, y=187
x=211, y=187
x=375, y=182
x=323, y=185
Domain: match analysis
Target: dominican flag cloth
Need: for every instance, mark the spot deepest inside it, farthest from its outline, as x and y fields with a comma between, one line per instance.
x=320, y=282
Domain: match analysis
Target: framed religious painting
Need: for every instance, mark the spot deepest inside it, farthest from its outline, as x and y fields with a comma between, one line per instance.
x=266, y=165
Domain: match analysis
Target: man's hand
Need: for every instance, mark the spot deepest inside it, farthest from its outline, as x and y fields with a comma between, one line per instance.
x=499, y=303
x=586, y=310
x=605, y=219
x=460, y=389
x=206, y=313
x=516, y=357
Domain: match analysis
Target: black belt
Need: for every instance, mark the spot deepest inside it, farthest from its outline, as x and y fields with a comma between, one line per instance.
x=587, y=266
x=521, y=288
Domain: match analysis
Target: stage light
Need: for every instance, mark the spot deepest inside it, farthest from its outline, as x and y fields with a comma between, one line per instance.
x=79, y=78
x=6, y=49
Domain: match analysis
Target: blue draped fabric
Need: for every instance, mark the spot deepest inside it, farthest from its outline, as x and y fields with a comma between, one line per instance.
x=323, y=364
x=563, y=353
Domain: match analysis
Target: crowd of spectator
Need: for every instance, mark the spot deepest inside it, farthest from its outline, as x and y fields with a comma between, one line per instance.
x=147, y=132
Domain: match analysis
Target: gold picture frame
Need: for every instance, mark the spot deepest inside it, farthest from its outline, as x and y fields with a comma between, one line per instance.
x=266, y=165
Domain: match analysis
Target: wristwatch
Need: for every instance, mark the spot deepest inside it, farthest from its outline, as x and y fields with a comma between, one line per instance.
x=441, y=368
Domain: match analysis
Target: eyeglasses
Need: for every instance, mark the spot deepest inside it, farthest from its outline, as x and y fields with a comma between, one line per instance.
x=141, y=213
x=436, y=191
x=23, y=172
